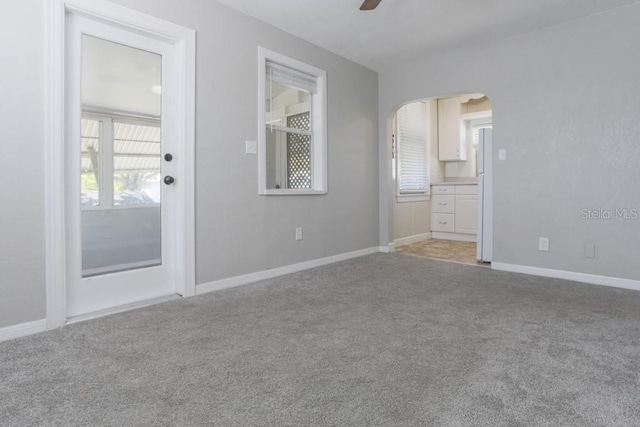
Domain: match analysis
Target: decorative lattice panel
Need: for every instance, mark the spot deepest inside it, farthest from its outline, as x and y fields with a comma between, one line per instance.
x=299, y=153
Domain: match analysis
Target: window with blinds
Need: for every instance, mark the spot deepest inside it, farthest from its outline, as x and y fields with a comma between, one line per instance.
x=288, y=106
x=289, y=77
x=292, y=126
x=412, y=149
x=476, y=127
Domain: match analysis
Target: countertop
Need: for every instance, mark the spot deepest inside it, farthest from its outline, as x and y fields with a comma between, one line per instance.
x=456, y=183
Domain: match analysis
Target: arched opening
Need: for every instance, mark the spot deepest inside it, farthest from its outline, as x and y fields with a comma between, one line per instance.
x=441, y=192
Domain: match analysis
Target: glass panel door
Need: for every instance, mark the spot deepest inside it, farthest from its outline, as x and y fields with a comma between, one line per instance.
x=120, y=158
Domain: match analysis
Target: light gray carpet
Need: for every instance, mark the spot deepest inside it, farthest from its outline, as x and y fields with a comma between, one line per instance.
x=384, y=340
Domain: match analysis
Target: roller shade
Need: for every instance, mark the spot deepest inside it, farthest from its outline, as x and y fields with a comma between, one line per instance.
x=290, y=77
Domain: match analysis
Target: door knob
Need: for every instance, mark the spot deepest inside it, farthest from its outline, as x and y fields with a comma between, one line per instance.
x=168, y=180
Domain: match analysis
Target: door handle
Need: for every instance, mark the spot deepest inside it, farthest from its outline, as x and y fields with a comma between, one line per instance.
x=169, y=180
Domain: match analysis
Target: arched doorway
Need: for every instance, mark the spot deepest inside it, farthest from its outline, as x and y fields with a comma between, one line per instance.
x=441, y=178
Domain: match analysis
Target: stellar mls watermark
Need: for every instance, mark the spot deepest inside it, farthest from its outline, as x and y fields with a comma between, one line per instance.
x=610, y=214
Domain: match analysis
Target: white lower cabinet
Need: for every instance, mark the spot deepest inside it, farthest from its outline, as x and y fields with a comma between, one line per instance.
x=466, y=214
x=443, y=204
x=442, y=222
x=454, y=212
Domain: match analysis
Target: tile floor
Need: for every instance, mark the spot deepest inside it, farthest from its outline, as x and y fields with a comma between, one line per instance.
x=450, y=250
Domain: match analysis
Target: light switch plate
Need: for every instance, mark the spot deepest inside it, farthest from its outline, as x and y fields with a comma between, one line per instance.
x=251, y=147
x=502, y=154
x=543, y=244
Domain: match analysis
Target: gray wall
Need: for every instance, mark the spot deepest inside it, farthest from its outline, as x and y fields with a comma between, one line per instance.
x=22, y=290
x=572, y=143
x=237, y=231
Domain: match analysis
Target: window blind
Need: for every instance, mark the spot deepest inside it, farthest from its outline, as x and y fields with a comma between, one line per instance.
x=290, y=77
x=413, y=164
x=476, y=132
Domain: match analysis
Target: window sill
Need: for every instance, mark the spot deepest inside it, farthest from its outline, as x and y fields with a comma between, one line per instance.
x=409, y=198
x=292, y=192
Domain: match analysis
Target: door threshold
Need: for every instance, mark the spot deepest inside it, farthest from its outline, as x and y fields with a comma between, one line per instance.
x=122, y=308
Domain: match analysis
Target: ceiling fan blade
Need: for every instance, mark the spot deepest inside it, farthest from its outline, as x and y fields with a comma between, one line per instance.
x=370, y=4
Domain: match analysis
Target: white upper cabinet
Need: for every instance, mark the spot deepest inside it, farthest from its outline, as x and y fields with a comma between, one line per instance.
x=451, y=136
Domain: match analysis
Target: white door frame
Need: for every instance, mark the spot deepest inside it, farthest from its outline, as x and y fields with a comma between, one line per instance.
x=183, y=40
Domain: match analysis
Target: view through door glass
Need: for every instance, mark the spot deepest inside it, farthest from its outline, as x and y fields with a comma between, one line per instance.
x=121, y=161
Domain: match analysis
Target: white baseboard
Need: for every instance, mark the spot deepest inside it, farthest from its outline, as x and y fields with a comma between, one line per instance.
x=389, y=249
x=411, y=239
x=280, y=271
x=121, y=308
x=23, y=330
x=454, y=236
x=593, y=279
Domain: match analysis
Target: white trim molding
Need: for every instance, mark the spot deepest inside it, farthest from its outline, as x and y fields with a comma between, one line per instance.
x=184, y=41
x=121, y=309
x=245, y=279
x=389, y=249
x=459, y=237
x=22, y=330
x=411, y=239
x=54, y=157
x=614, y=282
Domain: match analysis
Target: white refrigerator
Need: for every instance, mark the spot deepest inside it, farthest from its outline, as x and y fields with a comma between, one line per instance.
x=485, y=197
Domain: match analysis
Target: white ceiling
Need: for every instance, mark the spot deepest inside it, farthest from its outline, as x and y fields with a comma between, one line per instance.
x=401, y=29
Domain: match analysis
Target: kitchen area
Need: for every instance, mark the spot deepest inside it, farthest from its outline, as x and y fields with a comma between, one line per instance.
x=451, y=218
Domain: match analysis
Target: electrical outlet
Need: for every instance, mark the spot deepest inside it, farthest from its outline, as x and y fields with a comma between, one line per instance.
x=543, y=244
x=299, y=233
x=590, y=250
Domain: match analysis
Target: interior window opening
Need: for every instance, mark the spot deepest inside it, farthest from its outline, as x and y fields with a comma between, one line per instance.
x=292, y=126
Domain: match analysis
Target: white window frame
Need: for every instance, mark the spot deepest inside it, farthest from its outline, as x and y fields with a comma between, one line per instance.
x=483, y=120
x=106, y=169
x=414, y=196
x=318, y=120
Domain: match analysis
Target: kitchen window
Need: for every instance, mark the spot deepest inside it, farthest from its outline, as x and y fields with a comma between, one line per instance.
x=412, y=152
x=476, y=126
x=291, y=126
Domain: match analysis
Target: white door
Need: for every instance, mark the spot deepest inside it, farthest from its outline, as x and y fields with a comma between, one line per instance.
x=120, y=197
